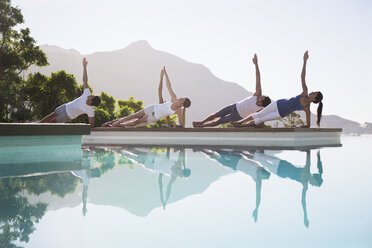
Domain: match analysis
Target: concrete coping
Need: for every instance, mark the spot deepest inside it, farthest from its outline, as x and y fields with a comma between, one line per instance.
x=18, y=129
x=238, y=137
x=219, y=130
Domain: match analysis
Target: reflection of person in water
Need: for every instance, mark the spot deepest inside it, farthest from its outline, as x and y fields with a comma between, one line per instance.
x=86, y=174
x=238, y=162
x=285, y=169
x=163, y=165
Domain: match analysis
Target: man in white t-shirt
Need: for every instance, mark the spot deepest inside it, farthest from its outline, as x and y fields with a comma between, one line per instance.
x=239, y=110
x=83, y=105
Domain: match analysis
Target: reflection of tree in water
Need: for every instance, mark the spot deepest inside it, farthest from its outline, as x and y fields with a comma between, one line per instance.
x=59, y=184
x=108, y=160
x=17, y=215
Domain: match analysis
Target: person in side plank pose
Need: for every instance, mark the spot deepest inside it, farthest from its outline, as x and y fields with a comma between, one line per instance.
x=152, y=113
x=239, y=110
x=283, y=107
x=83, y=105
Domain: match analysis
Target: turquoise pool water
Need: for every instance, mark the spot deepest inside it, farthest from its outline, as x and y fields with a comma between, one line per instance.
x=167, y=197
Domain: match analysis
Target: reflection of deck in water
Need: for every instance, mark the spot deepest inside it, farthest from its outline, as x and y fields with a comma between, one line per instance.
x=257, y=137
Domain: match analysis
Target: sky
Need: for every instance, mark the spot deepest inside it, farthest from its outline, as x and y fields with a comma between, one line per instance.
x=223, y=35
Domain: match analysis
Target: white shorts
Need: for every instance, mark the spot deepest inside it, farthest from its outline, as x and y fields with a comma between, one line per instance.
x=150, y=114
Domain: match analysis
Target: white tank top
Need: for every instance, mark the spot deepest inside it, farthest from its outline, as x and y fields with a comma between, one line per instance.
x=248, y=106
x=163, y=110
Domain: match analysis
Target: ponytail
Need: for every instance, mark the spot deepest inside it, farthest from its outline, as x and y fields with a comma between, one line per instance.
x=318, y=99
x=319, y=113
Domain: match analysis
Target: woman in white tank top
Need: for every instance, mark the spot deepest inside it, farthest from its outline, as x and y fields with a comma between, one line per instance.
x=153, y=113
x=163, y=110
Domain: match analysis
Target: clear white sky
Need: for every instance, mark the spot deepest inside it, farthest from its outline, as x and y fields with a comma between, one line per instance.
x=224, y=34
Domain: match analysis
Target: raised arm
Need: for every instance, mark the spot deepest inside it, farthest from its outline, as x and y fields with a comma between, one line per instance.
x=258, y=77
x=169, y=86
x=85, y=75
x=303, y=74
x=160, y=89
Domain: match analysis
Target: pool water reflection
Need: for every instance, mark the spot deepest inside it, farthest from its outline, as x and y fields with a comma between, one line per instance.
x=162, y=197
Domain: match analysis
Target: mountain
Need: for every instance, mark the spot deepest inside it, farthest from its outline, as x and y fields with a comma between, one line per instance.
x=135, y=71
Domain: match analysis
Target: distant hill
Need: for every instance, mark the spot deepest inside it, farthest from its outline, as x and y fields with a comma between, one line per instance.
x=135, y=71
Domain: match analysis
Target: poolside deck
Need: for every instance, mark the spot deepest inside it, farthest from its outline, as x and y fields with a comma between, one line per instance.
x=25, y=129
x=237, y=137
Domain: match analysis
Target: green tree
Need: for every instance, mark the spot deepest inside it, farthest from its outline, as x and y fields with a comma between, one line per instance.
x=108, y=104
x=127, y=107
x=101, y=116
x=163, y=122
x=44, y=94
x=17, y=53
x=292, y=120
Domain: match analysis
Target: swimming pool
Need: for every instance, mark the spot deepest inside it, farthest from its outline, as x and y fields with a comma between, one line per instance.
x=183, y=197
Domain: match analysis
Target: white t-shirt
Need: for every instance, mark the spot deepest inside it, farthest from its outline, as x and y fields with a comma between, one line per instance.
x=269, y=162
x=248, y=106
x=79, y=106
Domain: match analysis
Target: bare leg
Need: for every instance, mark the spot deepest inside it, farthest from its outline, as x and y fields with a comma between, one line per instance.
x=201, y=123
x=49, y=118
x=211, y=124
x=139, y=121
x=109, y=123
x=241, y=122
x=127, y=118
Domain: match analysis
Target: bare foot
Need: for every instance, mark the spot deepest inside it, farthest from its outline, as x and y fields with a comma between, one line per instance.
x=107, y=124
x=197, y=124
x=236, y=124
x=250, y=124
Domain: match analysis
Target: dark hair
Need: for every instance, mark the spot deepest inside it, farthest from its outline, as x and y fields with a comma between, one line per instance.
x=187, y=103
x=186, y=172
x=266, y=101
x=265, y=174
x=318, y=99
x=96, y=101
x=317, y=180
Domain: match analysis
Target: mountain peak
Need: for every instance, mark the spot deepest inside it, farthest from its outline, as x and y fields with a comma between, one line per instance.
x=141, y=44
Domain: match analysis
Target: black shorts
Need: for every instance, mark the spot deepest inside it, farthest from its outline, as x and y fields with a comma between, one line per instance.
x=229, y=114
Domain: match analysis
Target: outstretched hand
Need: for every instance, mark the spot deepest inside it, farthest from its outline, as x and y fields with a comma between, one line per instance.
x=165, y=72
x=306, y=55
x=85, y=62
x=254, y=59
